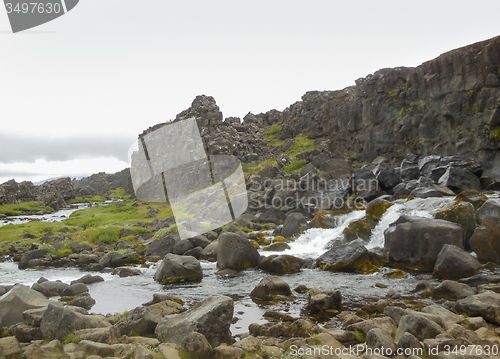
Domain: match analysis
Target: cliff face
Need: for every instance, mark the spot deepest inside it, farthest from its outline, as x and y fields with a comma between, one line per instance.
x=447, y=106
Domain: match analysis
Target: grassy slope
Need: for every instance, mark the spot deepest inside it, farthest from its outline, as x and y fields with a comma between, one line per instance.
x=94, y=225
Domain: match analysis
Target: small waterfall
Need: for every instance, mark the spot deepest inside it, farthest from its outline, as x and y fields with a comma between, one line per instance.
x=314, y=242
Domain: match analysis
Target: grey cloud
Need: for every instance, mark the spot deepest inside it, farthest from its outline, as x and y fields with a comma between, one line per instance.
x=18, y=148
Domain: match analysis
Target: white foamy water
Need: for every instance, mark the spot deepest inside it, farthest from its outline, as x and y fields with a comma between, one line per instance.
x=315, y=241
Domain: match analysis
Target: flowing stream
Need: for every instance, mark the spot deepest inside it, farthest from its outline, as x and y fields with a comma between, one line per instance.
x=116, y=295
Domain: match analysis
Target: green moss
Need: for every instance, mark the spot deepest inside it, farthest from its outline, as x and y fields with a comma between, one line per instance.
x=273, y=132
x=71, y=338
x=296, y=165
x=252, y=168
x=394, y=93
x=495, y=134
x=301, y=144
x=407, y=84
x=166, y=231
x=475, y=108
x=316, y=339
x=107, y=235
x=377, y=210
x=185, y=354
x=359, y=335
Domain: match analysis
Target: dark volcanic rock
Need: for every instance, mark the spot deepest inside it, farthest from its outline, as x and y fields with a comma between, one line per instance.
x=415, y=243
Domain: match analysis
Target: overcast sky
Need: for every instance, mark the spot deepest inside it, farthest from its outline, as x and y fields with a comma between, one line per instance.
x=76, y=92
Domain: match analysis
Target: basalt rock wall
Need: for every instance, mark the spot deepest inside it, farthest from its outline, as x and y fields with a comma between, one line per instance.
x=446, y=106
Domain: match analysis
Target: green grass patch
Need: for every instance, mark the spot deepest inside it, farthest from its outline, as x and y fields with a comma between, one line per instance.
x=12, y=233
x=300, y=145
x=252, y=168
x=71, y=338
x=394, y=93
x=495, y=134
x=117, y=214
x=273, y=132
x=276, y=143
x=87, y=199
x=119, y=193
x=359, y=335
x=18, y=209
x=165, y=231
x=296, y=165
x=108, y=235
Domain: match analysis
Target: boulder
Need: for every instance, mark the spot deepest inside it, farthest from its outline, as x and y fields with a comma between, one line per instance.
x=485, y=304
x=57, y=322
x=350, y=257
x=366, y=185
x=25, y=333
x=117, y=259
x=409, y=341
x=378, y=339
x=269, y=287
x=235, y=252
x=93, y=348
x=293, y=226
x=451, y=290
x=175, y=268
x=83, y=300
x=10, y=348
x=490, y=208
x=322, y=300
x=410, y=168
x=485, y=241
x=16, y=301
x=28, y=260
x=88, y=279
x=197, y=346
x=281, y=264
x=459, y=179
x=140, y=321
x=74, y=289
x=414, y=243
x=182, y=247
x=419, y=326
x=159, y=248
x=211, y=251
x=461, y=213
x=455, y=263
x=211, y=317
x=200, y=241
x=388, y=178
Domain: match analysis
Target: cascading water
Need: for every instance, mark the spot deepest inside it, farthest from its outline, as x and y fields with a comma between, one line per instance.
x=316, y=241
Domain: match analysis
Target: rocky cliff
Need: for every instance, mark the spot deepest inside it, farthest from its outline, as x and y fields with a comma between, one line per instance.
x=446, y=106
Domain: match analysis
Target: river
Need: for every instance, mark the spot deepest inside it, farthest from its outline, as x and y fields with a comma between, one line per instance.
x=356, y=289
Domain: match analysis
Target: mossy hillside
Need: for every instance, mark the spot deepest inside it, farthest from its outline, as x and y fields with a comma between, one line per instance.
x=301, y=144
